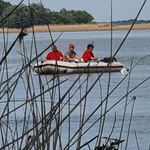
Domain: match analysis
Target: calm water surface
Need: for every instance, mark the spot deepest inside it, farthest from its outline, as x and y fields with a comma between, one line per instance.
x=136, y=46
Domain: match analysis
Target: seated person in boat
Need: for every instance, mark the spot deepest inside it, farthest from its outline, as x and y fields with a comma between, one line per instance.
x=88, y=54
x=71, y=55
x=55, y=54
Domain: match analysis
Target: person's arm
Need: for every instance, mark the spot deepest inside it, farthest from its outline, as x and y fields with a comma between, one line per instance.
x=60, y=55
x=69, y=58
x=47, y=57
x=94, y=58
x=61, y=58
x=78, y=57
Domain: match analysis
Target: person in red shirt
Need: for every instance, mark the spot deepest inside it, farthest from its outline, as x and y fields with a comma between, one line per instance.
x=88, y=54
x=55, y=54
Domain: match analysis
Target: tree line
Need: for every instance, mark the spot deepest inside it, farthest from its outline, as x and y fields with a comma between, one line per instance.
x=129, y=22
x=37, y=14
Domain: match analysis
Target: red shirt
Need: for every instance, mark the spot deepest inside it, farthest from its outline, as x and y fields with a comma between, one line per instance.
x=55, y=55
x=87, y=55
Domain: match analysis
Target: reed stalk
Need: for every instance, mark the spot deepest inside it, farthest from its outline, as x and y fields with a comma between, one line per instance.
x=41, y=118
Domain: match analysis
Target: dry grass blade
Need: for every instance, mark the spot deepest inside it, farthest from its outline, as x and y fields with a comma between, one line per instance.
x=49, y=112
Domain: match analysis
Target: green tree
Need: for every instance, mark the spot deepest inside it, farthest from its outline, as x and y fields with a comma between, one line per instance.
x=73, y=17
x=66, y=17
x=82, y=17
x=19, y=18
x=40, y=14
x=25, y=16
x=36, y=14
x=3, y=6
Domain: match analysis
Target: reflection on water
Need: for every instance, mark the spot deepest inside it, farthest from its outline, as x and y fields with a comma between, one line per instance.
x=137, y=46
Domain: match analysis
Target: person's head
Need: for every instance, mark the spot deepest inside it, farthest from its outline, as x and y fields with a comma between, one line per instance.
x=90, y=46
x=54, y=48
x=71, y=47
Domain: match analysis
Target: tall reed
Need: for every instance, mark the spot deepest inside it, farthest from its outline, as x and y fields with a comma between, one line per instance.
x=42, y=121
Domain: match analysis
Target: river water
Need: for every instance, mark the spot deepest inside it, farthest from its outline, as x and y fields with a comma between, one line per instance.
x=136, y=46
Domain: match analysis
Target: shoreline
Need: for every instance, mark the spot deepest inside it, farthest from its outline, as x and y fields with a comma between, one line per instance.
x=81, y=27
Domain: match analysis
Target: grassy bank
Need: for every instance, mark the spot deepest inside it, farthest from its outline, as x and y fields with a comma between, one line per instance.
x=83, y=27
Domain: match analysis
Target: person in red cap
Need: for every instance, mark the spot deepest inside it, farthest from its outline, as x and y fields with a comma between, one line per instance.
x=88, y=54
x=55, y=54
x=71, y=55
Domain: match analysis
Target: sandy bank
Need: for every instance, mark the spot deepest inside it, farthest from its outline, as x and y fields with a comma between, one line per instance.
x=82, y=27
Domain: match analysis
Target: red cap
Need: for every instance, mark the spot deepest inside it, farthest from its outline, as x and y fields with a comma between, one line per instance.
x=71, y=46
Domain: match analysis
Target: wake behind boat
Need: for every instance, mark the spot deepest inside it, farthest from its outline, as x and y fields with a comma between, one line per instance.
x=61, y=67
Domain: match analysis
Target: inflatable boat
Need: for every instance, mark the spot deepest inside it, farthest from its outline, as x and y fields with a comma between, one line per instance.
x=61, y=67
